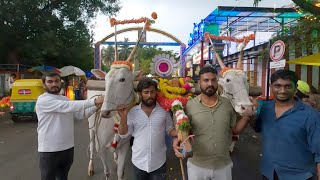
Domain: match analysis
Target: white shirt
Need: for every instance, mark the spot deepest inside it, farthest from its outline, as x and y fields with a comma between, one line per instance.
x=55, y=120
x=10, y=82
x=149, y=147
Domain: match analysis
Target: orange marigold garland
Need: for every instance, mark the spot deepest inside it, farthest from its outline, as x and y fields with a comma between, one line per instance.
x=148, y=21
x=207, y=36
x=120, y=64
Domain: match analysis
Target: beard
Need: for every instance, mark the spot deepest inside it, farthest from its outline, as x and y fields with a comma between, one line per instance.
x=209, y=91
x=53, y=90
x=149, y=102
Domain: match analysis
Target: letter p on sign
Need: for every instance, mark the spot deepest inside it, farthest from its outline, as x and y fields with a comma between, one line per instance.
x=277, y=50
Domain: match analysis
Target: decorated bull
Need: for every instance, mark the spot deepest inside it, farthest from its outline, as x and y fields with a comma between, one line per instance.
x=234, y=81
x=118, y=89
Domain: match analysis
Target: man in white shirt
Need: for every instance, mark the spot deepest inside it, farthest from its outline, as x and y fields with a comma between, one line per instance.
x=56, y=115
x=148, y=124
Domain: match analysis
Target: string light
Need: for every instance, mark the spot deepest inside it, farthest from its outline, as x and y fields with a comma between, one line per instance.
x=306, y=15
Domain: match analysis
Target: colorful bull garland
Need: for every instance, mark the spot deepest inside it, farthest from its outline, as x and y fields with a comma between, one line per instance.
x=176, y=89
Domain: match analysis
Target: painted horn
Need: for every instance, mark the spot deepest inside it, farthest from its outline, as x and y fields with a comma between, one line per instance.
x=116, y=55
x=134, y=51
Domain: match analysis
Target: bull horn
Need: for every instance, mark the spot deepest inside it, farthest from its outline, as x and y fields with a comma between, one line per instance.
x=217, y=55
x=134, y=51
x=239, y=63
x=116, y=57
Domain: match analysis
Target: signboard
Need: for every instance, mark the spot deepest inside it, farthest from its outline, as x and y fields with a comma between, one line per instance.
x=277, y=50
x=278, y=64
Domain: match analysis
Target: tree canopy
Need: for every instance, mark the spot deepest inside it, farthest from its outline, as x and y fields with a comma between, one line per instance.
x=50, y=32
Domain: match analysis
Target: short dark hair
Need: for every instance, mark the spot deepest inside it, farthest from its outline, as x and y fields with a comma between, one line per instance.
x=49, y=74
x=207, y=69
x=284, y=74
x=145, y=83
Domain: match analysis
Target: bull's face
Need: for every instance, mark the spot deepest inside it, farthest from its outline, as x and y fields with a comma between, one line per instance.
x=118, y=90
x=235, y=88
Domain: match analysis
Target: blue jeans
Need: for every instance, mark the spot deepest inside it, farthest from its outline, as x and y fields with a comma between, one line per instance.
x=159, y=174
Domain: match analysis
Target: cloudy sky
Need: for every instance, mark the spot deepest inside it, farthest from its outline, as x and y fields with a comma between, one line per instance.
x=174, y=16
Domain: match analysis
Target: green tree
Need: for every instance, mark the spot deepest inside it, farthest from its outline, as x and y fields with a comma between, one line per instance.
x=107, y=55
x=124, y=50
x=53, y=32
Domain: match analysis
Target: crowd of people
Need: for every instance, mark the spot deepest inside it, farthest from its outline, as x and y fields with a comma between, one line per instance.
x=289, y=127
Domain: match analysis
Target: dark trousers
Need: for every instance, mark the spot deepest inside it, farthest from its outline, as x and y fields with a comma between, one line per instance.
x=55, y=165
x=275, y=177
x=159, y=174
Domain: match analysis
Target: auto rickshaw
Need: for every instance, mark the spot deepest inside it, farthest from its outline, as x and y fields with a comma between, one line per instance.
x=25, y=93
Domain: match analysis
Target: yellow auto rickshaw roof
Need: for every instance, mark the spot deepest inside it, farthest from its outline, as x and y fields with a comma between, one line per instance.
x=28, y=82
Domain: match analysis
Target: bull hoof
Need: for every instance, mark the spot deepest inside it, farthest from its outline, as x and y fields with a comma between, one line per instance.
x=90, y=172
x=90, y=168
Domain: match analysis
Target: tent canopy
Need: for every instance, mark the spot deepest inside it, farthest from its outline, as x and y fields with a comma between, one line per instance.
x=312, y=60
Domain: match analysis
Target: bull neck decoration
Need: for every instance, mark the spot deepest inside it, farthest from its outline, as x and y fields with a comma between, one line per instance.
x=122, y=64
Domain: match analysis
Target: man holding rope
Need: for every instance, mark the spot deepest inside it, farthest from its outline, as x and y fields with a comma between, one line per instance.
x=56, y=127
x=147, y=123
x=213, y=120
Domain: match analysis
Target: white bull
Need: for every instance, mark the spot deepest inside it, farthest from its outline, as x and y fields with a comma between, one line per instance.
x=118, y=90
x=101, y=129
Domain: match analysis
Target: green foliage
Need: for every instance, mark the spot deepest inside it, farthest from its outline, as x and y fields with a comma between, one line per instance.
x=303, y=36
x=184, y=126
x=54, y=32
x=176, y=108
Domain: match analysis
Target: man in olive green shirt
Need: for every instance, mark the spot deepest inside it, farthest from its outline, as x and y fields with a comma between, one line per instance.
x=213, y=120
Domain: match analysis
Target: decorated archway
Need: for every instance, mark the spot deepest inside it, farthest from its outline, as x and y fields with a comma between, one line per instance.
x=97, y=54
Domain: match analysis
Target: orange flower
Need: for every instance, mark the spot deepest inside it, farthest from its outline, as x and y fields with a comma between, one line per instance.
x=123, y=63
x=207, y=36
x=113, y=22
x=154, y=15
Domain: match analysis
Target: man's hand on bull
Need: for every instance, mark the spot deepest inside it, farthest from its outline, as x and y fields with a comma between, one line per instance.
x=98, y=101
x=123, y=111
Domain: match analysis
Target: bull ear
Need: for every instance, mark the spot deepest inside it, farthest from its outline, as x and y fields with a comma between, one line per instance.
x=137, y=75
x=98, y=73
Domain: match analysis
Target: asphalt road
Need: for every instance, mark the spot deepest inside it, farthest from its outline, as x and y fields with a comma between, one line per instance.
x=19, y=158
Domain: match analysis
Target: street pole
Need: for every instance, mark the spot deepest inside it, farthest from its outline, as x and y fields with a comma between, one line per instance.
x=268, y=72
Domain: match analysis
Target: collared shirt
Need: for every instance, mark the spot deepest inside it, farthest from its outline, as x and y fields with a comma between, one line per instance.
x=291, y=143
x=56, y=115
x=212, y=130
x=149, y=147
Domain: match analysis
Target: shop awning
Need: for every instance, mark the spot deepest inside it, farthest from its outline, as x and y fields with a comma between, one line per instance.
x=312, y=60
